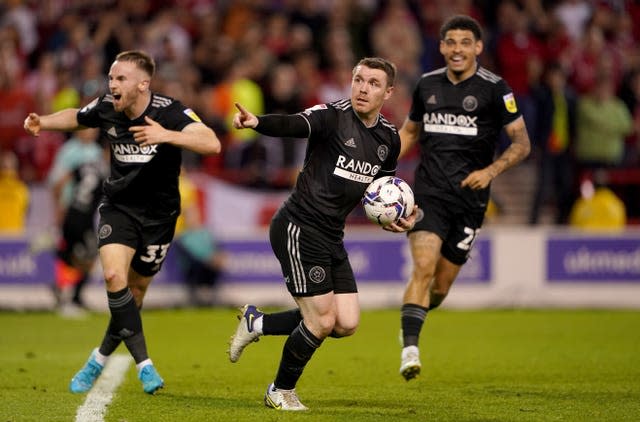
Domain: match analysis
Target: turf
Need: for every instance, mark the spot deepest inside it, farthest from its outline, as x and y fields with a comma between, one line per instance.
x=510, y=365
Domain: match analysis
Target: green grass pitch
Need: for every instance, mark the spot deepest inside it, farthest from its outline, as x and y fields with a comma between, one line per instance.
x=509, y=365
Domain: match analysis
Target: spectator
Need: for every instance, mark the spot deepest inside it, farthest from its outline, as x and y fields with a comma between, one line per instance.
x=14, y=196
x=237, y=85
x=396, y=35
x=282, y=96
x=18, y=15
x=598, y=208
x=15, y=100
x=518, y=52
x=554, y=133
x=603, y=122
x=574, y=14
x=592, y=57
x=631, y=96
x=42, y=82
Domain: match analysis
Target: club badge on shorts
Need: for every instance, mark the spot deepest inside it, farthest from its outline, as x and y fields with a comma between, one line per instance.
x=317, y=274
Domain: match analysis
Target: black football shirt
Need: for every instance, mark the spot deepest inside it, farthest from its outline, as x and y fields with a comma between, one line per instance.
x=143, y=180
x=343, y=157
x=461, y=126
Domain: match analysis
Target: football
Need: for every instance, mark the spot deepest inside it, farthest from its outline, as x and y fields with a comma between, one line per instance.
x=387, y=199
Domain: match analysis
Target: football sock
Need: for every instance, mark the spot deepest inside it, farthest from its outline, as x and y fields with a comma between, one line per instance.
x=298, y=349
x=127, y=322
x=111, y=340
x=281, y=323
x=412, y=319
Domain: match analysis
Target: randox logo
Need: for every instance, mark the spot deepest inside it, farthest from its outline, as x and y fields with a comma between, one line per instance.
x=362, y=167
x=131, y=153
x=450, y=119
x=356, y=170
x=457, y=124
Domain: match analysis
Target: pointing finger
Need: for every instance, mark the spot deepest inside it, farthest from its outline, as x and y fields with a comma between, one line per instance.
x=242, y=109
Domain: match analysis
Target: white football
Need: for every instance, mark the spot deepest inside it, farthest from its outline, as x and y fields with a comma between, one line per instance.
x=388, y=199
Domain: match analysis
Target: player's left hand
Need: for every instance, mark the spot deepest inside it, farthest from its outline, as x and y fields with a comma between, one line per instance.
x=150, y=134
x=404, y=224
x=477, y=180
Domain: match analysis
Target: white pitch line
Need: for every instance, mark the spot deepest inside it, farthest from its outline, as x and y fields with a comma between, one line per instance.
x=95, y=406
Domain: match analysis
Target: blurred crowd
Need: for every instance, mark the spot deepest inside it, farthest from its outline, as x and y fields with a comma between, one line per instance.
x=574, y=66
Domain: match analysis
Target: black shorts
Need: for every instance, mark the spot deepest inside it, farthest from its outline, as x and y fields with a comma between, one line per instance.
x=151, y=241
x=457, y=229
x=79, y=241
x=311, y=264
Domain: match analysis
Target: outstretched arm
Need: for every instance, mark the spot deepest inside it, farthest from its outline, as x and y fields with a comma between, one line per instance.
x=516, y=152
x=276, y=125
x=63, y=120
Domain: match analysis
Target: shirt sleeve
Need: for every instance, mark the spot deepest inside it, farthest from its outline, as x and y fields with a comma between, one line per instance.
x=177, y=116
x=283, y=125
x=506, y=103
x=321, y=119
x=89, y=115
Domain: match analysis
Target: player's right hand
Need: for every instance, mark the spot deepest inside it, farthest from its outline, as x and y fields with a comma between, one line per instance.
x=404, y=224
x=32, y=124
x=244, y=119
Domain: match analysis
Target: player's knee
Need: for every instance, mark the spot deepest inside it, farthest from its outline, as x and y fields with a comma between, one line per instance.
x=343, y=331
x=114, y=278
x=422, y=279
x=324, y=324
x=423, y=272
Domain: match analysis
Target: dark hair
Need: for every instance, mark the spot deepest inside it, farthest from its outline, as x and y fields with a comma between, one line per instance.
x=141, y=59
x=382, y=64
x=463, y=22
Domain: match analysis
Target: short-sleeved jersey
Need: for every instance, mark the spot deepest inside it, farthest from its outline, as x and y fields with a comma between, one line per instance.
x=461, y=123
x=143, y=180
x=343, y=156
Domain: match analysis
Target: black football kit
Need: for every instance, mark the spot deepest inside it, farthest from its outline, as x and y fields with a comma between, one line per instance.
x=343, y=157
x=461, y=124
x=143, y=185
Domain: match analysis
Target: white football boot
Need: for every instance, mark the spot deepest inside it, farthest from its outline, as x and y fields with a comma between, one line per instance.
x=410, y=362
x=245, y=333
x=279, y=399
